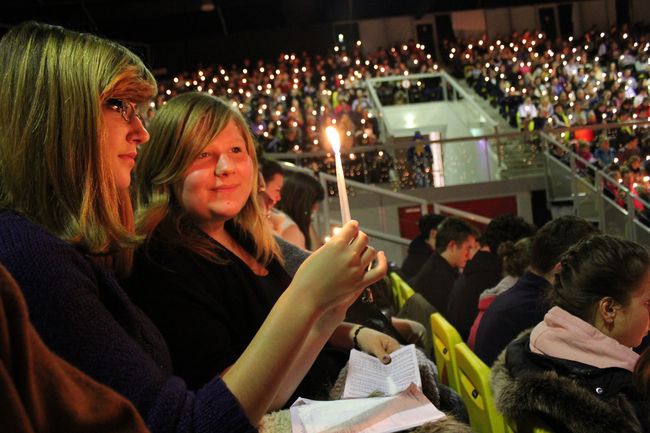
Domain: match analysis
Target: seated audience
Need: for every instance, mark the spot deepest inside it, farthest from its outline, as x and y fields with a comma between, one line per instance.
x=524, y=305
x=574, y=370
x=455, y=244
x=67, y=232
x=422, y=246
x=514, y=258
x=483, y=270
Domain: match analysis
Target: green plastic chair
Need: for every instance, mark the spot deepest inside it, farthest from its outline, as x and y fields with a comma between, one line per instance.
x=445, y=337
x=474, y=381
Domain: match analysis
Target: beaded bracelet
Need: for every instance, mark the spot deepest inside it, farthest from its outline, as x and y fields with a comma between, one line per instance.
x=354, y=337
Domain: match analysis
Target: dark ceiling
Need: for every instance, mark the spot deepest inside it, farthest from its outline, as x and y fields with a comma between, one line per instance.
x=172, y=35
x=155, y=21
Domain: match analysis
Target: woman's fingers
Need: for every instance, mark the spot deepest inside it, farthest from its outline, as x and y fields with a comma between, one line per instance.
x=367, y=256
x=360, y=243
x=377, y=272
x=348, y=232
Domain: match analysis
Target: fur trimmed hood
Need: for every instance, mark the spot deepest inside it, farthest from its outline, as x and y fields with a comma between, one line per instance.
x=578, y=397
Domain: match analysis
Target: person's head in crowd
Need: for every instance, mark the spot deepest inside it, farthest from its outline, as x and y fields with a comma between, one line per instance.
x=634, y=163
x=505, y=228
x=273, y=176
x=584, y=148
x=515, y=256
x=632, y=142
x=605, y=281
x=456, y=241
x=199, y=170
x=603, y=143
x=291, y=135
x=428, y=225
x=301, y=197
x=71, y=130
x=554, y=239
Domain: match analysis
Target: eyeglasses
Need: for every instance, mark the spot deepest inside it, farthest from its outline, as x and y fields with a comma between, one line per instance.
x=126, y=109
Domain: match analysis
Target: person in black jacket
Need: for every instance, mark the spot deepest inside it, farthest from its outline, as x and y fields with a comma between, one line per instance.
x=455, y=243
x=483, y=271
x=421, y=248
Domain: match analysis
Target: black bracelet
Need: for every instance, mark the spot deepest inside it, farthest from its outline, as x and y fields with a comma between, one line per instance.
x=354, y=337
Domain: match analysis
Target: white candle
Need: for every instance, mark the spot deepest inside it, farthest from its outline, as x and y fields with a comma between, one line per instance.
x=335, y=141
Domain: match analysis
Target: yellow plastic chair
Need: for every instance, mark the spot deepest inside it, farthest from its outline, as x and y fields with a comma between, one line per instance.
x=400, y=289
x=445, y=337
x=474, y=381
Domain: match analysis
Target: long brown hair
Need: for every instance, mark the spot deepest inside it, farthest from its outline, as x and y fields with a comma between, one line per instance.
x=300, y=192
x=53, y=167
x=179, y=132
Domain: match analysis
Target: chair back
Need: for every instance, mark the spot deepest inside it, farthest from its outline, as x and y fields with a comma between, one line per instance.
x=401, y=290
x=445, y=337
x=474, y=382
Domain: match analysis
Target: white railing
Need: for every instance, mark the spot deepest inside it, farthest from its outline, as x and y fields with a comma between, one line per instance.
x=325, y=219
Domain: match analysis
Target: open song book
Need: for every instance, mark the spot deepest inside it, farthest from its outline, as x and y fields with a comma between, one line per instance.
x=398, y=403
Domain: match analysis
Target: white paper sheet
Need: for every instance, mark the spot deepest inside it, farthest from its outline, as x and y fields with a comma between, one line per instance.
x=367, y=375
x=408, y=409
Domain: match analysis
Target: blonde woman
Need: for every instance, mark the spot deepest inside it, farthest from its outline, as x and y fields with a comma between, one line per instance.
x=210, y=271
x=70, y=134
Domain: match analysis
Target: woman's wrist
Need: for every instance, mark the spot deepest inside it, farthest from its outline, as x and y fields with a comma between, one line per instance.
x=355, y=337
x=298, y=298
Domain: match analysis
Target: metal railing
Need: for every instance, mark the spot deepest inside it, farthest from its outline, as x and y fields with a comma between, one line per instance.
x=594, y=195
x=449, y=88
x=325, y=220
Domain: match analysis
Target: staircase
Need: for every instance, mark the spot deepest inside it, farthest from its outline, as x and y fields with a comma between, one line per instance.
x=518, y=158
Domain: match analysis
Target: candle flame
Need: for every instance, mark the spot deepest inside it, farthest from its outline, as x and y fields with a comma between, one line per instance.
x=334, y=139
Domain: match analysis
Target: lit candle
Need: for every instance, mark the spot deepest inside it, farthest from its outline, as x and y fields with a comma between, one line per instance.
x=335, y=141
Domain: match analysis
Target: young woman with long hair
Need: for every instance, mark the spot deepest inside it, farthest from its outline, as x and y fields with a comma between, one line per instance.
x=210, y=270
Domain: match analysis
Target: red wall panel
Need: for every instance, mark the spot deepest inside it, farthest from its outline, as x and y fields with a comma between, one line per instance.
x=487, y=207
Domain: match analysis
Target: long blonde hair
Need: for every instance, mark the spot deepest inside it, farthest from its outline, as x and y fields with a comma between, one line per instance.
x=179, y=132
x=53, y=164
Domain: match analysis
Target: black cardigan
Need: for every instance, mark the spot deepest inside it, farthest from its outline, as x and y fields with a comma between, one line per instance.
x=207, y=312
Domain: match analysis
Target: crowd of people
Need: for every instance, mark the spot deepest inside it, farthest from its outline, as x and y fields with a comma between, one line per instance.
x=149, y=280
x=290, y=101
x=538, y=82
x=599, y=78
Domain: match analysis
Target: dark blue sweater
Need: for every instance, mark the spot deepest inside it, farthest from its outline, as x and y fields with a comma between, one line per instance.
x=519, y=308
x=83, y=315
